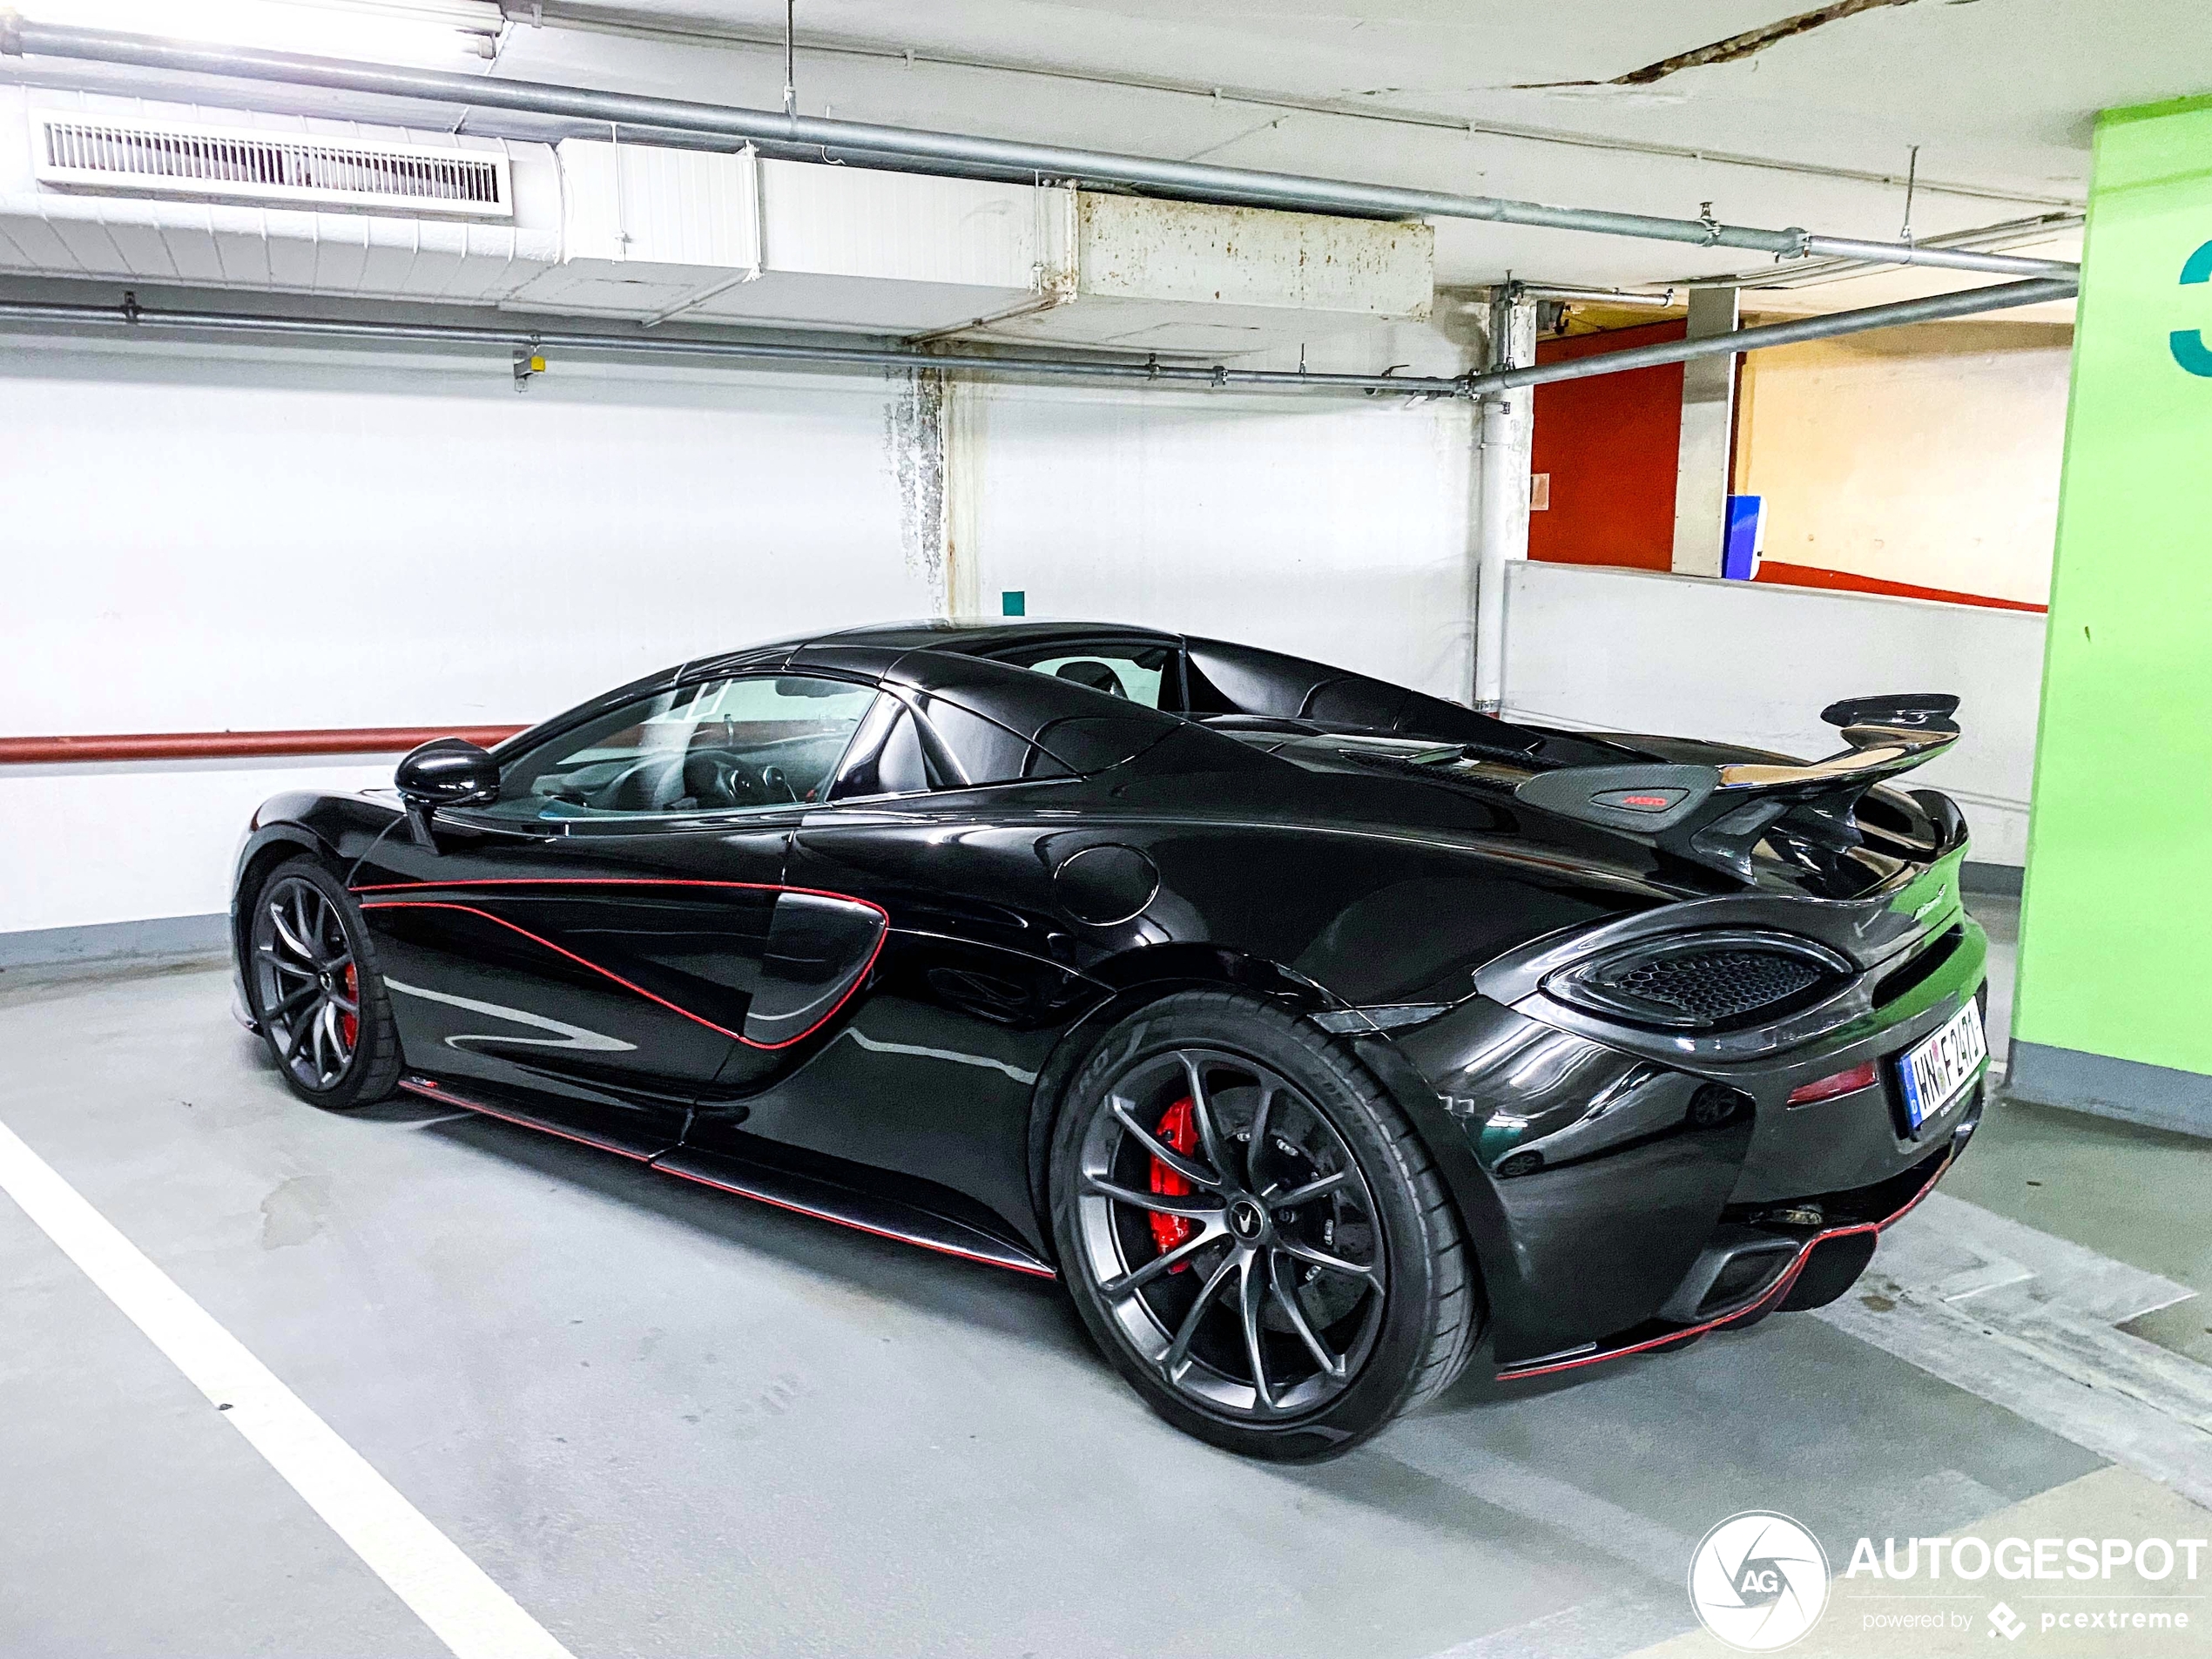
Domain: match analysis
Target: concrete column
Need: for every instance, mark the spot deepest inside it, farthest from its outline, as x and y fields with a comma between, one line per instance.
x=2116, y=924
x=1502, y=524
x=965, y=413
x=1708, y=432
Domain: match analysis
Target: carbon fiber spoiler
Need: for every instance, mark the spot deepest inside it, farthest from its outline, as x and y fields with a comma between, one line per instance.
x=1716, y=814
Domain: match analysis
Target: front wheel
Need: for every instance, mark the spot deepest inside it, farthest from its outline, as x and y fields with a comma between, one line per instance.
x=316, y=993
x=1253, y=1232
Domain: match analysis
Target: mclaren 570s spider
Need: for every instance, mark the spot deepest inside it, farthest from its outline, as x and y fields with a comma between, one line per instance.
x=1313, y=1032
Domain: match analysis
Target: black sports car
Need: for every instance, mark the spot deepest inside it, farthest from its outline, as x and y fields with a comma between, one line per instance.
x=1308, y=1027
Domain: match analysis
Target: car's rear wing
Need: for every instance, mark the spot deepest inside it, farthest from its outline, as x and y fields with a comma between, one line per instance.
x=1716, y=814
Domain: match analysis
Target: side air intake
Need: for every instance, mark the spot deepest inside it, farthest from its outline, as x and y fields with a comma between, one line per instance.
x=271, y=169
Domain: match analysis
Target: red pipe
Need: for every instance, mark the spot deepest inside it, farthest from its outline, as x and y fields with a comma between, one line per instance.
x=231, y=745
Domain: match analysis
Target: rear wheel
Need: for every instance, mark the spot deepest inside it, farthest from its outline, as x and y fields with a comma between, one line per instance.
x=316, y=993
x=1253, y=1232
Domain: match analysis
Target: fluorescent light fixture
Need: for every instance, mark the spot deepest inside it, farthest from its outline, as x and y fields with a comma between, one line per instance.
x=403, y=30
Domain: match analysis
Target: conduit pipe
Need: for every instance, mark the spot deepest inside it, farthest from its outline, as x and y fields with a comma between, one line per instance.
x=960, y=153
x=83, y=748
x=2003, y=296
x=1570, y=294
x=130, y=313
x=656, y=344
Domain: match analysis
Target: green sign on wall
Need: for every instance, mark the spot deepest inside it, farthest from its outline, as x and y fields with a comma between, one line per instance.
x=2116, y=924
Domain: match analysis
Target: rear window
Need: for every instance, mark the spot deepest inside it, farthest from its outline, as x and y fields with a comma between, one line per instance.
x=1139, y=674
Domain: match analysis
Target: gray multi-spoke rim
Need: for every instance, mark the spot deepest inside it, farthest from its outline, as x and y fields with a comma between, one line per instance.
x=307, y=987
x=1270, y=1305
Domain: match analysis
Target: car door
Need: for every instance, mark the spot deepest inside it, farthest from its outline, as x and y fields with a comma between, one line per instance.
x=589, y=950
x=927, y=1071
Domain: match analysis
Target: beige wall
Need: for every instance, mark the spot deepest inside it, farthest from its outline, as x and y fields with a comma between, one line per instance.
x=1928, y=455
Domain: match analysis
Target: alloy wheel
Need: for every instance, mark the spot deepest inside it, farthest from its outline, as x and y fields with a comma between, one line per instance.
x=1231, y=1234
x=306, y=985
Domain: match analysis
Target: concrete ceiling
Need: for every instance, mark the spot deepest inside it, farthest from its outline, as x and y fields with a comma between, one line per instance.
x=1805, y=126
x=1999, y=91
x=1782, y=115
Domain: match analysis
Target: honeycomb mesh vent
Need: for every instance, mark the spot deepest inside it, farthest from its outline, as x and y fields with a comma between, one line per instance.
x=1713, y=987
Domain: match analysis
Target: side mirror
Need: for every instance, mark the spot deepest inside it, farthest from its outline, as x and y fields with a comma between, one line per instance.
x=445, y=771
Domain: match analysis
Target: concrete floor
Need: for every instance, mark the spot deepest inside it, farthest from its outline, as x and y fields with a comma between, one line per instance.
x=670, y=1422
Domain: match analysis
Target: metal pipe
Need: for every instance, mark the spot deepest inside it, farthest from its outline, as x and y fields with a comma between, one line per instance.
x=2000, y=297
x=659, y=345
x=1971, y=301
x=234, y=745
x=1662, y=300
x=1986, y=237
x=791, y=70
x=993, y=158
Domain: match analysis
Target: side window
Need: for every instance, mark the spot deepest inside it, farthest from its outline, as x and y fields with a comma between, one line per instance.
x=752, y=742
x=1142, y=674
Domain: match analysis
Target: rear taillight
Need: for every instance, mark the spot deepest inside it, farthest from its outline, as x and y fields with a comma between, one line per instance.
x=1836, y=1083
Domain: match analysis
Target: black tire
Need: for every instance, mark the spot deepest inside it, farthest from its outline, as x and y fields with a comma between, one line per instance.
x=312, y=978
x=1370, y=1270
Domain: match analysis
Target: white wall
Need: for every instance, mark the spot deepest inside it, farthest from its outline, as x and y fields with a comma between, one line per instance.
x=1744, y=662
x=200, y=542
x=1335, y=528
x=1928, y=455
x=200, y=538
x=241, y=538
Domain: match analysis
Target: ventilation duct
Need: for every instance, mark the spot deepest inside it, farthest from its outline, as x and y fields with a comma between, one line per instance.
x=1201, y=278
x=654, y=233
x=131, y=190
x=246, y=165
x=103, y=187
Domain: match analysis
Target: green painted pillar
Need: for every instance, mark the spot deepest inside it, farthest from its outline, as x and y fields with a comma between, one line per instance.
x=2113, y=1012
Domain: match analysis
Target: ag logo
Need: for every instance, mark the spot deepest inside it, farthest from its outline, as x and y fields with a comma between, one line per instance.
x=1758, y=1581
x=2188, y=345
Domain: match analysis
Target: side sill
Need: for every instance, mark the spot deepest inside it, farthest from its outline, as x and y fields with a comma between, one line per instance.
x=882, y=1213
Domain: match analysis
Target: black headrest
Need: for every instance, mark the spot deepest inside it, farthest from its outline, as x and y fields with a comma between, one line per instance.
x=1096, y=675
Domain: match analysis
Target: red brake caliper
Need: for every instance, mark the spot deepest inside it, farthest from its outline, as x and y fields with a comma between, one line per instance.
x=1179, y=1129
x=350, y=1024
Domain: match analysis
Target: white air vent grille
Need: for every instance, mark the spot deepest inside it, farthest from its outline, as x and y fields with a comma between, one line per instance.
x=244, y=164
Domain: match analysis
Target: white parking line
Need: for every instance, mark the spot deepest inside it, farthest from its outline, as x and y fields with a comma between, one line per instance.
x=2011, y=1314
x=1428, y=1444
x=2026, y=1320
x=449, y=1593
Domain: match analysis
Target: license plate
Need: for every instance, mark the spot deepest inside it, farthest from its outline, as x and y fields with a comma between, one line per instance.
x=1937, y=1070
